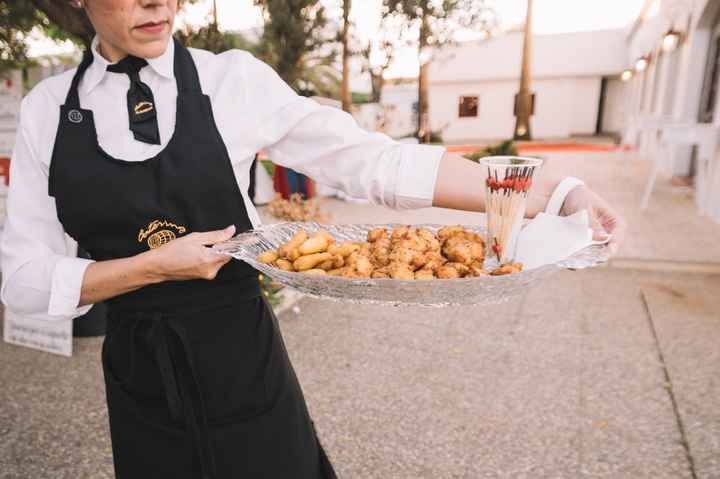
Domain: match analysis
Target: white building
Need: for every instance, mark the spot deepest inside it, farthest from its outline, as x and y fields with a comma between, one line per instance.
x=575, y=79
x=674, y=52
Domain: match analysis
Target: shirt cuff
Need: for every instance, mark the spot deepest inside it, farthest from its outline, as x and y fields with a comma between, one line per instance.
x=417, y=174
x=66, y=286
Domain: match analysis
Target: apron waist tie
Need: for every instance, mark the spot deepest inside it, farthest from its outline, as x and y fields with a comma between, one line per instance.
x=181, y=385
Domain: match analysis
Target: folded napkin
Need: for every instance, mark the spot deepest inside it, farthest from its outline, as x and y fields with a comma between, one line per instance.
x=550, y=238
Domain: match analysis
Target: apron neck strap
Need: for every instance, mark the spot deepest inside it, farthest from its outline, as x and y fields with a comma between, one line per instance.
x=73, y=99
x=186, y=75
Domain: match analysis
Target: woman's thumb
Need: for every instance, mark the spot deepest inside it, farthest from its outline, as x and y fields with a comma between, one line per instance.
x=218, y=236
x=599, y=233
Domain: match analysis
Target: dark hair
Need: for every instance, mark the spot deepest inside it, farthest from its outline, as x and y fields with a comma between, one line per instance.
x=73, y=20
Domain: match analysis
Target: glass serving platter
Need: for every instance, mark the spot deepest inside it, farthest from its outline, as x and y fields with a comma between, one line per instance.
x=435, y=293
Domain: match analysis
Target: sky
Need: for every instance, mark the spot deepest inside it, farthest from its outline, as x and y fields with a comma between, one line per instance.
x=550, y=16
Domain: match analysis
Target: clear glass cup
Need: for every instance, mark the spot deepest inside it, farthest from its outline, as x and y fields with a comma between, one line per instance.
x=508, y=185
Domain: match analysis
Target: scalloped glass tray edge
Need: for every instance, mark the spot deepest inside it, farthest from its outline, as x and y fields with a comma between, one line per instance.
x=437, y=293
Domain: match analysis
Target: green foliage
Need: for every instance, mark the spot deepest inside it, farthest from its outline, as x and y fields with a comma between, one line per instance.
x=17, y=18
x=295, y=43
x=438, y=21
x=436, y=137
x=269, y=167
x=360, y=98
x=57, y=19
x=209, y=38
x=506, y=148
x=271, y=290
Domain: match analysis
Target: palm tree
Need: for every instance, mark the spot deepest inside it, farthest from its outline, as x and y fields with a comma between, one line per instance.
x=524, y=99
x=345, y=95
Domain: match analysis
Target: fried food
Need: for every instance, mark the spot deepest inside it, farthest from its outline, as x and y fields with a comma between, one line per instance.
x=315, y=272
x=401, y=271
x=404, y=253
x=310, y=261
x=476, y=269
x=284, y=265
x=377, y=234
x=268, y=257
x=317, y=244
x=447, y=272
x=509, y=268
x=461, y=268
x=344, y=250
x=298, y=238
x=424, y=274
x=449, y=231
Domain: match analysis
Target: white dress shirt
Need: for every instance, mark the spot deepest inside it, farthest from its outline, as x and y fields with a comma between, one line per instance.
x=253, y=109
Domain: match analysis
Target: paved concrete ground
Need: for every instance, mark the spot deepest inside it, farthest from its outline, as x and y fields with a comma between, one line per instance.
x=569, y=381
x=601, y=374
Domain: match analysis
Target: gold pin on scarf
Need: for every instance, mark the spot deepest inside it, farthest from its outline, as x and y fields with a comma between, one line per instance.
x=143, y=107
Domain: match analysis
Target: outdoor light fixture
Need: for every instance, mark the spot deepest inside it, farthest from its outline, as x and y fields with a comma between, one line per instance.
x=671, y=40
x=626, y=75
x=641, y=64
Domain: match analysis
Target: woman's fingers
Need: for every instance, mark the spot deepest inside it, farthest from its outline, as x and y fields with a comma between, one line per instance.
x=212, y=237
x=599, y=231
x=617, y=228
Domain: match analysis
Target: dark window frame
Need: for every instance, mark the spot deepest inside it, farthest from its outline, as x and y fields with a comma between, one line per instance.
x=465, y=111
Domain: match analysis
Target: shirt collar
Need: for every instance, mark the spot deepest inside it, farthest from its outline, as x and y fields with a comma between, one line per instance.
x=162, y=65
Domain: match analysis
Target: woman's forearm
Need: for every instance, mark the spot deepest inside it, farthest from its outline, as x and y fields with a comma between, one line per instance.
x=460, y=185
x=107, y=279
x=185, y=258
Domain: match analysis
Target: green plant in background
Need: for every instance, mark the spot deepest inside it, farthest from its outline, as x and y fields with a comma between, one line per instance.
x=269, y=167
x=360, y=98
x=271, y=290
x=436, y=137
x=506, y=148
x=295, y=42
x=209, y=37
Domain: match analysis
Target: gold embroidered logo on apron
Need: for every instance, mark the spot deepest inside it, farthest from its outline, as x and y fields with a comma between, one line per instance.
x=143, y=107
x=159, y=232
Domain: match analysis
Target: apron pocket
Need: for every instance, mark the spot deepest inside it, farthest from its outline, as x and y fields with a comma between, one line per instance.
x=230, y=352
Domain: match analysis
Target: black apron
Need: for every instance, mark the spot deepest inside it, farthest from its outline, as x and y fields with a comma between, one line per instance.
x=199, y=384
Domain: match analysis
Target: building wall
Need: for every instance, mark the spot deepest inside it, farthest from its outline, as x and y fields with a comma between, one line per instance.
x=563, y=107
x=672, y=86
x=399, y=105
x=579, y=54
x=617, y=95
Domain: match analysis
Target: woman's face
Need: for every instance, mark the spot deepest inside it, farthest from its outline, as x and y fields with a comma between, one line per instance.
x=136, y=27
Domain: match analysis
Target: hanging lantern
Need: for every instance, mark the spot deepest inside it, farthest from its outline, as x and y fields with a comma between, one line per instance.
x=642, y=63
x=671, y=40
x=626, y=75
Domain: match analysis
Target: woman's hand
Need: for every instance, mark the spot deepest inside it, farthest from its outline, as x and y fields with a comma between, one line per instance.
x=189, y=257
x=604, y=220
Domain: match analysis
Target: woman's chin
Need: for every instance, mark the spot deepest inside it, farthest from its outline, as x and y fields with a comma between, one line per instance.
x=150, y=45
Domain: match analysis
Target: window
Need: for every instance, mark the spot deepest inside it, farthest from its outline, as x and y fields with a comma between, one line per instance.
x=468, y=107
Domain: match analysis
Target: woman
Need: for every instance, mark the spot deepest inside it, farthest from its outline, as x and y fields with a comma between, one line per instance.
x=147, y=167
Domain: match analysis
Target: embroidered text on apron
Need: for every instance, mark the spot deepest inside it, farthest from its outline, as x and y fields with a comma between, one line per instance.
x=199, y=384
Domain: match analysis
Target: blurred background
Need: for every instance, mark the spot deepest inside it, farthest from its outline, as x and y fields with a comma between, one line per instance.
x=605, y=373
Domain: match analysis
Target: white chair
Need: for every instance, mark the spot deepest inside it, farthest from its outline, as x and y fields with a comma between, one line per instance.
x=647, y=130
x=705, y=137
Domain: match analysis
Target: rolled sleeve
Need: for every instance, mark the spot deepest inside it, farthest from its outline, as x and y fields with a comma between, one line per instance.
x=418, y=170
x=41, y=275
x=66, y=286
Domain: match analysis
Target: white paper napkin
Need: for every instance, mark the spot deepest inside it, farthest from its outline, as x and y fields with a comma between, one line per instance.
x=549, y=238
